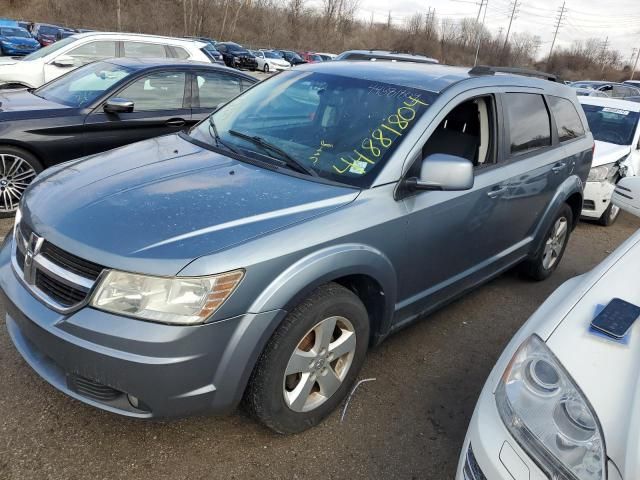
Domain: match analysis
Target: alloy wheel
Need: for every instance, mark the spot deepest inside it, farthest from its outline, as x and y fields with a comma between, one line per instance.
x=15, y=176
x=555, y=243
x=319, y=364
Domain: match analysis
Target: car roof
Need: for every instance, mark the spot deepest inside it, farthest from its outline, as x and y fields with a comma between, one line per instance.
x=140, y=36
x=611, y=102
x=390, y=54
x=152, y=63
x=426, y=76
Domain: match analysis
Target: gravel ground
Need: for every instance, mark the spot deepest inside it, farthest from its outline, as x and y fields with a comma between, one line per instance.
x=409, y=423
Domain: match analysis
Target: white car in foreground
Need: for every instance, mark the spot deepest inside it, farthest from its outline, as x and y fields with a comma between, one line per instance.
x=562, y=402
x=269, y=61
x=616, y=130
x=61, y=57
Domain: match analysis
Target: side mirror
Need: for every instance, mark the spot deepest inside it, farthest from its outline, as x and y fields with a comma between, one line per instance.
x=443, y=172
x=627, y=195
x=118, y=105
x=64, y=61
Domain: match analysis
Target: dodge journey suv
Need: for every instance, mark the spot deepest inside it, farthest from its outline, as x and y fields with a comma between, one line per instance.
x=259, y=256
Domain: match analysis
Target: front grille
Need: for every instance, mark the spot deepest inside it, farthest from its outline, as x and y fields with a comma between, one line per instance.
x=589, y=205
x=70, y=262
x=93, y=389
x=57, y=277
x=64, y=294
x=472, y=470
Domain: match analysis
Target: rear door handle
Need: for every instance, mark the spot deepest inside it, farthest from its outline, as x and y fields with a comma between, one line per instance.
x=557, y=168
x=176, y=122
x=496, y=192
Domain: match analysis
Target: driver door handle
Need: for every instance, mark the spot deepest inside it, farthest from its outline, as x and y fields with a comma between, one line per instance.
x=496, y=192
x=558, y=167
x=176, y=122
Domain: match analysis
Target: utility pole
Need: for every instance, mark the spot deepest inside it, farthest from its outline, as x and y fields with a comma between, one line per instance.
x=513, y=14
x=479, y=11
x=605, y=45
x=561, y=13
x=635, y=65
x=481, y=29
x=118, y=16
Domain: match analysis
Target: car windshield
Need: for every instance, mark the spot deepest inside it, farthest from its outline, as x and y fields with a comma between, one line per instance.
x=344, y=129
x=14, y=32
x=272, y=55
x=315, y=58
x=43, y=52
x=612, y=125
x=81, y=87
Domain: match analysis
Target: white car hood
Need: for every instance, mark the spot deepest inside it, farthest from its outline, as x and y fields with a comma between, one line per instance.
x=607, y=372
x=606, y=153
x=4, y=61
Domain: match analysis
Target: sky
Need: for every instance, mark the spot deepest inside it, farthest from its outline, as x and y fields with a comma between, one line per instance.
x=617, y=19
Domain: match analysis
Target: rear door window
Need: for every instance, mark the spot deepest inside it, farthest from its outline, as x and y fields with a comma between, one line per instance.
x=567, y=119
x=529, y=125
x=216, y=88
x=90, y=52
x=144, y=50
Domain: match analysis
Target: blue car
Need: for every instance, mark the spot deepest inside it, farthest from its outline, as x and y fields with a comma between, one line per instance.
x=17, y=41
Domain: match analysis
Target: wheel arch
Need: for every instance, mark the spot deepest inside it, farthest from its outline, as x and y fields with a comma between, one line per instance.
x=570, y=193
x=364, y=270
x=23, y=146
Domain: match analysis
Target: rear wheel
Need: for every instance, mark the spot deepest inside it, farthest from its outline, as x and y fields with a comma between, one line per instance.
x=18, y=168
x=610, y=215
x=265, y=69
x=310, y=362
x=555, y=242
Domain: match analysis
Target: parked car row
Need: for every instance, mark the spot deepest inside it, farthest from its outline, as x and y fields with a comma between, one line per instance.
x=609, y=89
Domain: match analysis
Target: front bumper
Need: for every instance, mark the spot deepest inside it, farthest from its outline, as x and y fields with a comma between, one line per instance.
x=245, y=62
x=496, y=453
x=100, y=358
x=597, y=196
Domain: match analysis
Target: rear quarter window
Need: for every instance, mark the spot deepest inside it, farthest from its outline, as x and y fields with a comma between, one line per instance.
x=567, y=119
x=529, y=124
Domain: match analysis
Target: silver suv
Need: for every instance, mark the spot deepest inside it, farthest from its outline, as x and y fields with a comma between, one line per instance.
x=260, y=255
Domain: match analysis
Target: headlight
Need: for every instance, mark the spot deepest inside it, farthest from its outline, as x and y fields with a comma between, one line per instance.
x=549, y=416
x=602, y=173
x=174, y=300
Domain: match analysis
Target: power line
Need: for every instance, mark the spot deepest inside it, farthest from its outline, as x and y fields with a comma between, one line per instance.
x=563, y=10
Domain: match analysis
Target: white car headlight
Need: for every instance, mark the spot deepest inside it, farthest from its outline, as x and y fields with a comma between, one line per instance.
x=173, y=300
x=549, y=416
x=600, y=174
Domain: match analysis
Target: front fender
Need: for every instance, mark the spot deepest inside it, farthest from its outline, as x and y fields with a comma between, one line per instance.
x=323, y=266
x=570, y=186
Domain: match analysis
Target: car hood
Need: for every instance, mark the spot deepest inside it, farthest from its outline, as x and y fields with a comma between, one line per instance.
x=156, y=205
x=606, y=153
x=6, y=61
x=606, y=371
x=22, y=100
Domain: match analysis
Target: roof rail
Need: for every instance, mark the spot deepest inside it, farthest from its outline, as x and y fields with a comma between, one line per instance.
x=487, y=70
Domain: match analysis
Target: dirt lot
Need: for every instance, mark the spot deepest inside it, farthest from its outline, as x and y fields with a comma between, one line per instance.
x=409, y=423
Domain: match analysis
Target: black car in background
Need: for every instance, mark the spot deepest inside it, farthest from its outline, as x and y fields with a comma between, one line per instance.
x=100, y=106
x=210, y=49
x=236, y=56
x=290, y=56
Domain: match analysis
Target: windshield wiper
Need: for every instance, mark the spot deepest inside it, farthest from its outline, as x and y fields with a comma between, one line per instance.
x=288, y=159
x=213, y=130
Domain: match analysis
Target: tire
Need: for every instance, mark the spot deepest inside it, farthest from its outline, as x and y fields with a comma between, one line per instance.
x=548, y=258
x=265, y=69
x=609, y=216
x=280, y=401
x=18, y=168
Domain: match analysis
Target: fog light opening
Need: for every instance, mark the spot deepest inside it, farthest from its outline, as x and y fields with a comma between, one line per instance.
x=135, y=403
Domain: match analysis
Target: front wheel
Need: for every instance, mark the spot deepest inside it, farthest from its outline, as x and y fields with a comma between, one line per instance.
x=18, y=168
x=610, y=215
x=310, y=362
x=555, y=242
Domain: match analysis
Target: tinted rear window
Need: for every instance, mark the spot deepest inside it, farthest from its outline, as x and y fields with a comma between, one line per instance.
x=529, y=123
x=567, y=119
